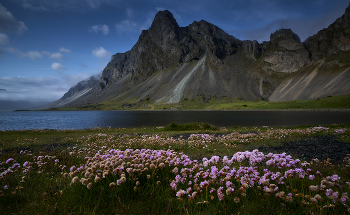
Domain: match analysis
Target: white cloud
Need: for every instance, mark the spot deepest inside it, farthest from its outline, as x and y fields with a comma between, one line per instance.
x=65, y=50
x=101, y=53
x=58, y=66
x=4, y=39
x=35, y=54
x=126, y=26
x=73, y=79
x=57, y=56
x=31, y=54
x=9, y=24
x=97, y=28
x=38, y=88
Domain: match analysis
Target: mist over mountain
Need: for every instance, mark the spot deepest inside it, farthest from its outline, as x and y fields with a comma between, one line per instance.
x=8, y=105
x=170, y=63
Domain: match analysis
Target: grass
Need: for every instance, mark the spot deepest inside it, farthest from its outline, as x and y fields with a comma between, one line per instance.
x=330, y=102
x=324, y=103
x=147, y=170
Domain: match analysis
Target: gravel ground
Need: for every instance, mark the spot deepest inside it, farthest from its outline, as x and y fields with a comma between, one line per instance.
x=321, y=147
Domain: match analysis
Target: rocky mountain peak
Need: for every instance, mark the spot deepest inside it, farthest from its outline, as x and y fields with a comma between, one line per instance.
x=169, y=62
x=330, y=40
x=164, y=28
x=287, y=39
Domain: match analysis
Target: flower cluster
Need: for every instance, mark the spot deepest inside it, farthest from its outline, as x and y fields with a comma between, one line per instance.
x=269, y=175
x=215, y=179
x=198, y=141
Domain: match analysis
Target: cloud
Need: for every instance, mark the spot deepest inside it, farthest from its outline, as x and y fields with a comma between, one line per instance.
x=58, y=66
x=101, y=53
x=4, y=39
x=97, y=28
x=304, y=26
x=35, y=54
x=9, y=24
x=27, y=5
x=63, y=5
x=73, y=79
x=93, y=3
x=38, y=88
x=65, y=50
x=129, y=12
x=31, y=54
x=10, y=82
x=55, y=56
x=126, y=26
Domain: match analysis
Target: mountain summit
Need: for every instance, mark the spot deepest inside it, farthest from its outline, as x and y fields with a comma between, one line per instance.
x=170, y=63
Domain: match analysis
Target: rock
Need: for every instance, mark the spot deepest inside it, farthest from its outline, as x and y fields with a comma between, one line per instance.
x=330, y=40
x=252, y=49
x=285, y=52
x=201, y=60
x=320, y=147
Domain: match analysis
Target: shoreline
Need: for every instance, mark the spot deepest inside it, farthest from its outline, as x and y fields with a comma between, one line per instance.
x=299, y=109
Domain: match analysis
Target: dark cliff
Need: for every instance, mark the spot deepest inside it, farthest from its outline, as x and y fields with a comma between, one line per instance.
x=330, y=40
x=170, y=63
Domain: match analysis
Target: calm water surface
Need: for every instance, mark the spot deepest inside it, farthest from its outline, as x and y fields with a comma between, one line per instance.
x=24, y=120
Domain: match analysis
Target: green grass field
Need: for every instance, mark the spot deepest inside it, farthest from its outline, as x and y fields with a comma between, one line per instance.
x=157, y=170
x=331, y=102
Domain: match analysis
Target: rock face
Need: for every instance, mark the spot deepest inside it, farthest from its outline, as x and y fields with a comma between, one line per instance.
x=83, y=85
x=285, y=52
x=330, y=40
x=170, y=63
x=76, y=92
x=166, y=45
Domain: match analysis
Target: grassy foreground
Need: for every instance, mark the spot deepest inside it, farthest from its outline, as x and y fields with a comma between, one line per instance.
x=331, y=102
x=177, y=169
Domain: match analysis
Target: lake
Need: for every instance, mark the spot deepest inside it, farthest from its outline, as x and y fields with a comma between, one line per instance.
x=24, y=120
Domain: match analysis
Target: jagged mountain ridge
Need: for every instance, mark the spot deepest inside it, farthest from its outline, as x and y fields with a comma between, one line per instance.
x=170, y=63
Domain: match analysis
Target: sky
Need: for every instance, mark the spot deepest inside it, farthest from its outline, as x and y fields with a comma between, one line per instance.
x=48, y=46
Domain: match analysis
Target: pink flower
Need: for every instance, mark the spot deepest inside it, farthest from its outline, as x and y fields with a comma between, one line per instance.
x=9, y=160
x=220, y=193
x=180, y=193
x=26, y=164
x=72, y=168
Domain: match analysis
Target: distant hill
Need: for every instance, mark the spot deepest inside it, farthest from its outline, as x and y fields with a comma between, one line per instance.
x=170, y=63
x=22, y=105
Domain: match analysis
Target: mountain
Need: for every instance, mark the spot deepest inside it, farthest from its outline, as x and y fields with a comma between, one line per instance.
x=170, y=63
x=76, y=92
x=8, y=105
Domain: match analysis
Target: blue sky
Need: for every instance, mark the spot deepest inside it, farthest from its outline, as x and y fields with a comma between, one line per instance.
x=48, y=46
